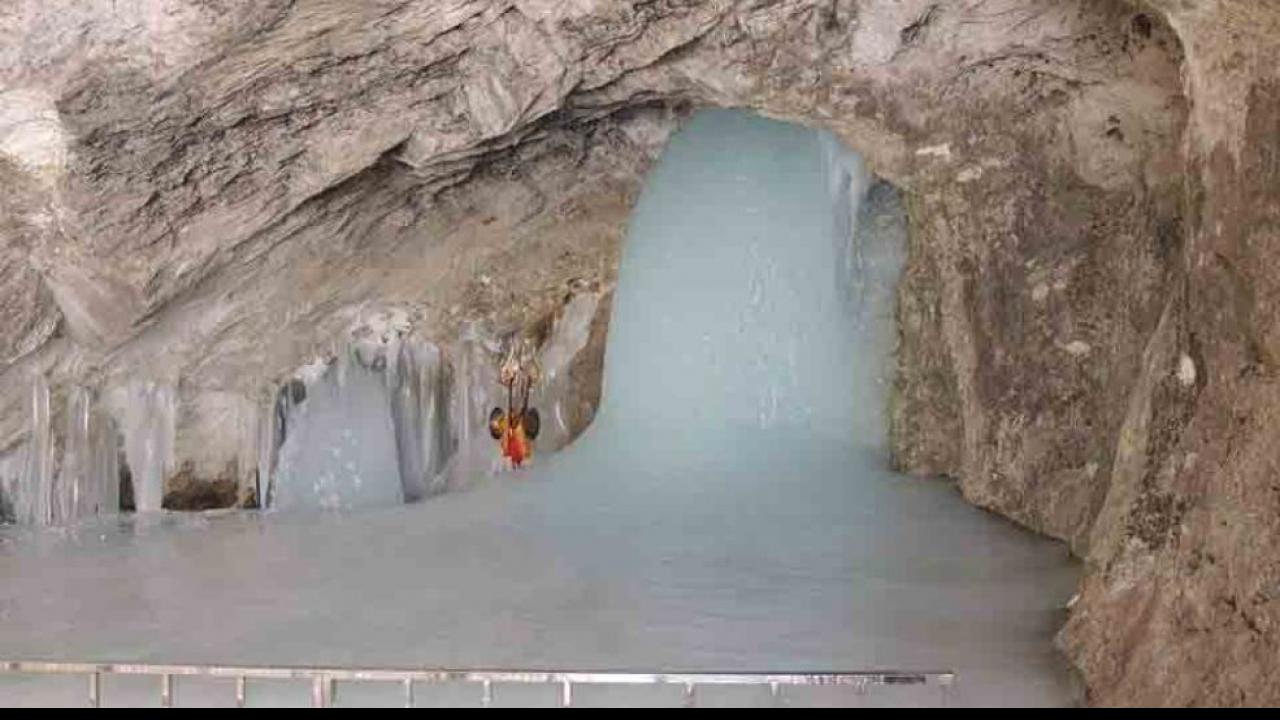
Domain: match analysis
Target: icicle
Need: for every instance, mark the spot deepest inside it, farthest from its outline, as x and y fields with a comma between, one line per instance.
x=268, y=443
x=104, y=464
x=274, y=425
x=465, y=410
x=74, y=495
x=439, y=440
x=12, y=466
x=848, y=181
x=149, y=413
x=471, y=382
x=35, y=503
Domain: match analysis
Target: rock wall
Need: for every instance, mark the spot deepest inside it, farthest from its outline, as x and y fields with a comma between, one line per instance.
x=203, y=195
x=1181, y=602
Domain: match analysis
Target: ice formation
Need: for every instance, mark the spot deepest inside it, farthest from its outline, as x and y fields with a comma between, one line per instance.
x=371, y=427
x=149, y=414
x=43, y=482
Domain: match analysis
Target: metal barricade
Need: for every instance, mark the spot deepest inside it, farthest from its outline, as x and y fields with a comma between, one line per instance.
x=322, y=679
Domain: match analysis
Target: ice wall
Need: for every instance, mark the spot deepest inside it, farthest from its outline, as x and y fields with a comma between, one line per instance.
x=375, y=426
x=89, y=476
x=66, y=469
x=339, y=449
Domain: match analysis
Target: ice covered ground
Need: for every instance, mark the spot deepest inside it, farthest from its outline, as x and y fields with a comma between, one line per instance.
x=729, y=509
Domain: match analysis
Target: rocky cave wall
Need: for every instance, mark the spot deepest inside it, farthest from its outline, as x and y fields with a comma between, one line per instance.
x=1181, y=601
x=209, y=195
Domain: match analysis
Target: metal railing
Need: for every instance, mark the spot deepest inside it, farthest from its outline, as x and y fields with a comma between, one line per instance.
x=323, y=679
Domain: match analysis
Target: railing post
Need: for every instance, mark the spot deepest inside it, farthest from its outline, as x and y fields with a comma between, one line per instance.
x=775, y=692
x=486, y=698
x=166, y=690
x=690, y=695
x=566, y=693
x=408, y=692
x=95, y=689
x=242, y=691
x=321, y=692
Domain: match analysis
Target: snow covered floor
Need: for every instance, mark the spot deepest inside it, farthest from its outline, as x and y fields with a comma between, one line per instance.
x=728, y=510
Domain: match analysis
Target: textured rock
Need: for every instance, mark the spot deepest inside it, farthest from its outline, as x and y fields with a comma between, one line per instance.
x=188, y=491
x=1181, y=602
x=203, y=195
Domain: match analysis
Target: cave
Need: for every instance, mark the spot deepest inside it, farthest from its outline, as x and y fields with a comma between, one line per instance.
x=209, y=205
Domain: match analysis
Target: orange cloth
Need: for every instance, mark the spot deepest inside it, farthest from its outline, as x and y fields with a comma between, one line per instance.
x=514, y=444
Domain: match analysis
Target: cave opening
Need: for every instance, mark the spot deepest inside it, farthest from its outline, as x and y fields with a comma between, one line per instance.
x=730, y=508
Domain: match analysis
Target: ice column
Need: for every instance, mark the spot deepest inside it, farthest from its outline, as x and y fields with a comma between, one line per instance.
x=33, y=499
x=737, y=288
x=473, y=377
x=419, y=389
x=149, y=416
